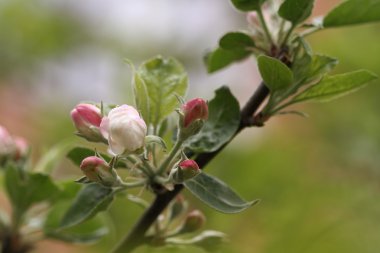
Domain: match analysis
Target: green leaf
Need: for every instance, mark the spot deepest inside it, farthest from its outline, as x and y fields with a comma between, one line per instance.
x=335, y=86
x=353, y=12
x=220, y=58
x=217, y=194
x=25, y=189
x=223, y=121
x=247, y=5
x=154, y=139
x=276, y=75
x=236, y=41
x=296, y=11
x=313, y=67
x=141, y=97
x=92, y=199
x=163, y=79
x=87, y=232
x=76, y=155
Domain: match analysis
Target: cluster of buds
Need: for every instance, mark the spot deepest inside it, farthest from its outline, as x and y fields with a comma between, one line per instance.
x=122, y=129
x=11, y=147
x=192, y=117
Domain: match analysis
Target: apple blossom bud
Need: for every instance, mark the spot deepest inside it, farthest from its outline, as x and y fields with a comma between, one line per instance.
x=87, y=118
x=124, y=129
x=21, y=146
x=97, y=170
x=193, y=222
x=185, y=170
x=193, y=110
x=7, y=146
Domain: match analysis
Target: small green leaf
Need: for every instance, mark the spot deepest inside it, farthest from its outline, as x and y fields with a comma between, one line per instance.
x=247, y=5
x=223, y=121
x=276, y=75
x=25, y=189
x=335, y=86
x=93, y=198
x=220, y=58
x=313, y=67
x=76, y=155
x=141, y=97
x=217, y=194
x=236, y=41
x=163, y=78
x=87, y=232
x=353, y=12
x=296, y=11
x=151, y=139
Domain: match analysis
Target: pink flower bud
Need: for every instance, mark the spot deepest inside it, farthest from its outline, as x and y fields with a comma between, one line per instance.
x=87, y=118
x=124, y=129
x=186, y=169
x=194, y=221
x=97, y=170
x=7, y=145
x=189, y=165
x=193, y=110
x=21, y=146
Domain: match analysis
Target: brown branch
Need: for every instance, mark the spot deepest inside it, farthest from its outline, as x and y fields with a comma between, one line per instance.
x=136, y=236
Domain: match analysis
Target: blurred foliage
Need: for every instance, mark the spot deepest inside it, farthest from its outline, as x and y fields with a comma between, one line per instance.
x=317, y=178
x=29, y=31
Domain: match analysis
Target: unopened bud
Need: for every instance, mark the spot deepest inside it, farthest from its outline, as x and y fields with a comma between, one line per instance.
x=97, y=170
x=194, y=221
x=7, y=146
x=185, y=170
x=21, y=146
x=195, y=109
x=124, y=129
x=87, y=118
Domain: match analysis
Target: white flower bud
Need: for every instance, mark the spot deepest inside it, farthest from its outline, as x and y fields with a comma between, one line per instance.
x=124, y=129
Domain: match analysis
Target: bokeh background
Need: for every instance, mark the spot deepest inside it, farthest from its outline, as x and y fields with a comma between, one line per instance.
x=318, y=178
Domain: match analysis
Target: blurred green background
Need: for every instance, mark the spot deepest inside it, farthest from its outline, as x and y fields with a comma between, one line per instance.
x=317, y=178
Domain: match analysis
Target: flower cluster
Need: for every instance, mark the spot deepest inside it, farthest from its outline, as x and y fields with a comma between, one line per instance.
x=125, y=132
x=11, y=147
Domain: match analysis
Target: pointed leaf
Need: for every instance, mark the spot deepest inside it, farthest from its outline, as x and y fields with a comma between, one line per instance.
x=150, y=139
x=217, y=194
x=296, y=11
x=221, y=58
x=92, y=199
x=353, y=12
x=335, y=86
x=76, y=155
x=163, y=78
x=236, y=41
x=247, y=5
x=223, y=121
x=141, y=97
x=275, y=74
x=87, y=232
x=25, y=189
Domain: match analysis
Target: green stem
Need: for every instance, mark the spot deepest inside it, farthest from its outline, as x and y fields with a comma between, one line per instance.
x=265, y=27
x=288, y=35
x=169, y=159
x=133, y=184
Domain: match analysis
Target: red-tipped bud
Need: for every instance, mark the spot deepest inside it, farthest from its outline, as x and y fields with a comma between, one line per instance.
x=7, y=146
x=87, y=118
x=21, y=147
x=194, y=221
x=98, y=170
x=193, y=110
x=186, y=169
